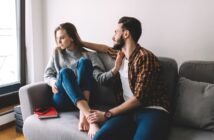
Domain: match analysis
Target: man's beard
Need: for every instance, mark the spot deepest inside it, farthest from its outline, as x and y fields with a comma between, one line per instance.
x=120, y=44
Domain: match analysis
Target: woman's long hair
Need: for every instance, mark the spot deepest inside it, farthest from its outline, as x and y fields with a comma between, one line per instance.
x=72, y=33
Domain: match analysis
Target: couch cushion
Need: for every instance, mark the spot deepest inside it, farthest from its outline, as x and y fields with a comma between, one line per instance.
x=63, y=128
x=103, y=95
x=184, y=133
x=195, y=104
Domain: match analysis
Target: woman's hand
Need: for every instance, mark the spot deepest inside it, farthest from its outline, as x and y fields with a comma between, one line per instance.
x=96, y=116
x=54, y=87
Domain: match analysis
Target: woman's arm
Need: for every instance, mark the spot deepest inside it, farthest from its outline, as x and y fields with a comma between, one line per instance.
x=50, y=72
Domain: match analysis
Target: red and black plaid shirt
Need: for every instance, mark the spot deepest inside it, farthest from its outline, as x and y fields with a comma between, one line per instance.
x=144, y=78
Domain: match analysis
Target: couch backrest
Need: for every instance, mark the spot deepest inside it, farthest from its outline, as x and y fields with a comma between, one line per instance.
x=108, y=61
x=104, y=95
x=169, y=75
x=195, y=95
x=202, y=71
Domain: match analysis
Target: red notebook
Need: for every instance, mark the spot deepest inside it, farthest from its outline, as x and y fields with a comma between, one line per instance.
x=43, y=113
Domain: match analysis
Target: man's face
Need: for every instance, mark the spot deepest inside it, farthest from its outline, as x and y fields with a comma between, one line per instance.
x=118, y=39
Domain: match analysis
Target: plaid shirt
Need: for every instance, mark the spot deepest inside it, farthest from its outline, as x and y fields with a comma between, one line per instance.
x=144, y=78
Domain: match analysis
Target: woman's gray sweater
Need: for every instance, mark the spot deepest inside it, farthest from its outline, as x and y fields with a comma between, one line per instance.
x=68, y=59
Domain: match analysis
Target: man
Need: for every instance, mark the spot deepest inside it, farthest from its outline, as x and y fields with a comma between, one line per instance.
x=144, y=113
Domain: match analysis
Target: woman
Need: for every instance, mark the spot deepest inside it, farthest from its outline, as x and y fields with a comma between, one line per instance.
x=70, y=74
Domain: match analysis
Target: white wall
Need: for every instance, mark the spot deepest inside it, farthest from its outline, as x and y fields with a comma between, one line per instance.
x=34, y=41
x=181, y=29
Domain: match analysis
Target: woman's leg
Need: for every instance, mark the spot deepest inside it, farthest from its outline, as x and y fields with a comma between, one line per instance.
x=61, y=100
x=68, y=81
x=152, y=124
x=85, y=74
x=85, y=82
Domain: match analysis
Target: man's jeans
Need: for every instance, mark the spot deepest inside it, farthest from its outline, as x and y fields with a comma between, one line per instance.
x=71, y=87
x=139, y=124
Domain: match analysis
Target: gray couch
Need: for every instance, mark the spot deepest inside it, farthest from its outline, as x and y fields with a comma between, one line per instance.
x=192, y=104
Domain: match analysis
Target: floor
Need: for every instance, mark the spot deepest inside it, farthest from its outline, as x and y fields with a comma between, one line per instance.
x=10, y=133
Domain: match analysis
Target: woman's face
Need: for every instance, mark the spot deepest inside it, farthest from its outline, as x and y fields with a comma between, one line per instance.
x=62, y=39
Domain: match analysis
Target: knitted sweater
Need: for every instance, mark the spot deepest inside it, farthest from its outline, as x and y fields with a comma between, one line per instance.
x=68, y=59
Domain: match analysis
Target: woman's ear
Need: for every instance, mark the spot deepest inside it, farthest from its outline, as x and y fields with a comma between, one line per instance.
x=71, y=39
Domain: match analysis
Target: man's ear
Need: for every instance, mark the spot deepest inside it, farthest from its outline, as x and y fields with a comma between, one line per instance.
x=126, y=34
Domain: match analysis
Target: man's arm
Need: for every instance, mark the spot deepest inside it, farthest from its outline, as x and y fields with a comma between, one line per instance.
x=97, y=47
x=99, y=116
x=130, y=104
x=133, y=102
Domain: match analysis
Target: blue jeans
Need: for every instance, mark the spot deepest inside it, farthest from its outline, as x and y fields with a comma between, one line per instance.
x=71, y=87
x=139, y=124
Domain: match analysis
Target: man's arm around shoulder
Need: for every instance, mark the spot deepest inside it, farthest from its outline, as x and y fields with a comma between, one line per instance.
x=97, y=47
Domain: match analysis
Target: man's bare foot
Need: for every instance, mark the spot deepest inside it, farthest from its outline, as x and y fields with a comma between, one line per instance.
x=83, y=123
x=93, y=128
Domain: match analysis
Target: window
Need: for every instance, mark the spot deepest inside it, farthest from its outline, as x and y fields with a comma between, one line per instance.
x=11, y=45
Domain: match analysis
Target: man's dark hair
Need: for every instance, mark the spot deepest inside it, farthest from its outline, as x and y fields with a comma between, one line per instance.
x=133, y=25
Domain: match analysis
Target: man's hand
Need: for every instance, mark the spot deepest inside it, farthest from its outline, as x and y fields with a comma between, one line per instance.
x=54, y=87
x=118, y=62
x=111, y=51
x=96, y=116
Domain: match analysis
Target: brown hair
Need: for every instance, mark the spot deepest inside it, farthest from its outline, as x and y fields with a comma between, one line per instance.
x=72, y=33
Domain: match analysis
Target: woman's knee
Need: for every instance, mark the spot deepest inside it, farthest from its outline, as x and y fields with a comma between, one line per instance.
x=85, y=62
x=66, y=71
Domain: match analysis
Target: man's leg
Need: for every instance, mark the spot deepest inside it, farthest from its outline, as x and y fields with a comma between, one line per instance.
x=117, y=128
x=152, y=124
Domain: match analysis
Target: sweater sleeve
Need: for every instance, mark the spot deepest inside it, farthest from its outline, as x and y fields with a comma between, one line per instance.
x=50, y=71
x=99, y=73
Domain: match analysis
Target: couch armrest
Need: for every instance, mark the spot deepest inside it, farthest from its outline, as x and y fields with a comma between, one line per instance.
x=34, y=95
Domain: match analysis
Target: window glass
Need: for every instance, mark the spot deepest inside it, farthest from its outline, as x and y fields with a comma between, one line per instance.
x=9, y=43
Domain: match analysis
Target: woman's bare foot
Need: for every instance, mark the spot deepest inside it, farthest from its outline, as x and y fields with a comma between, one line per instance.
x=83, y=123
x=93, y=128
